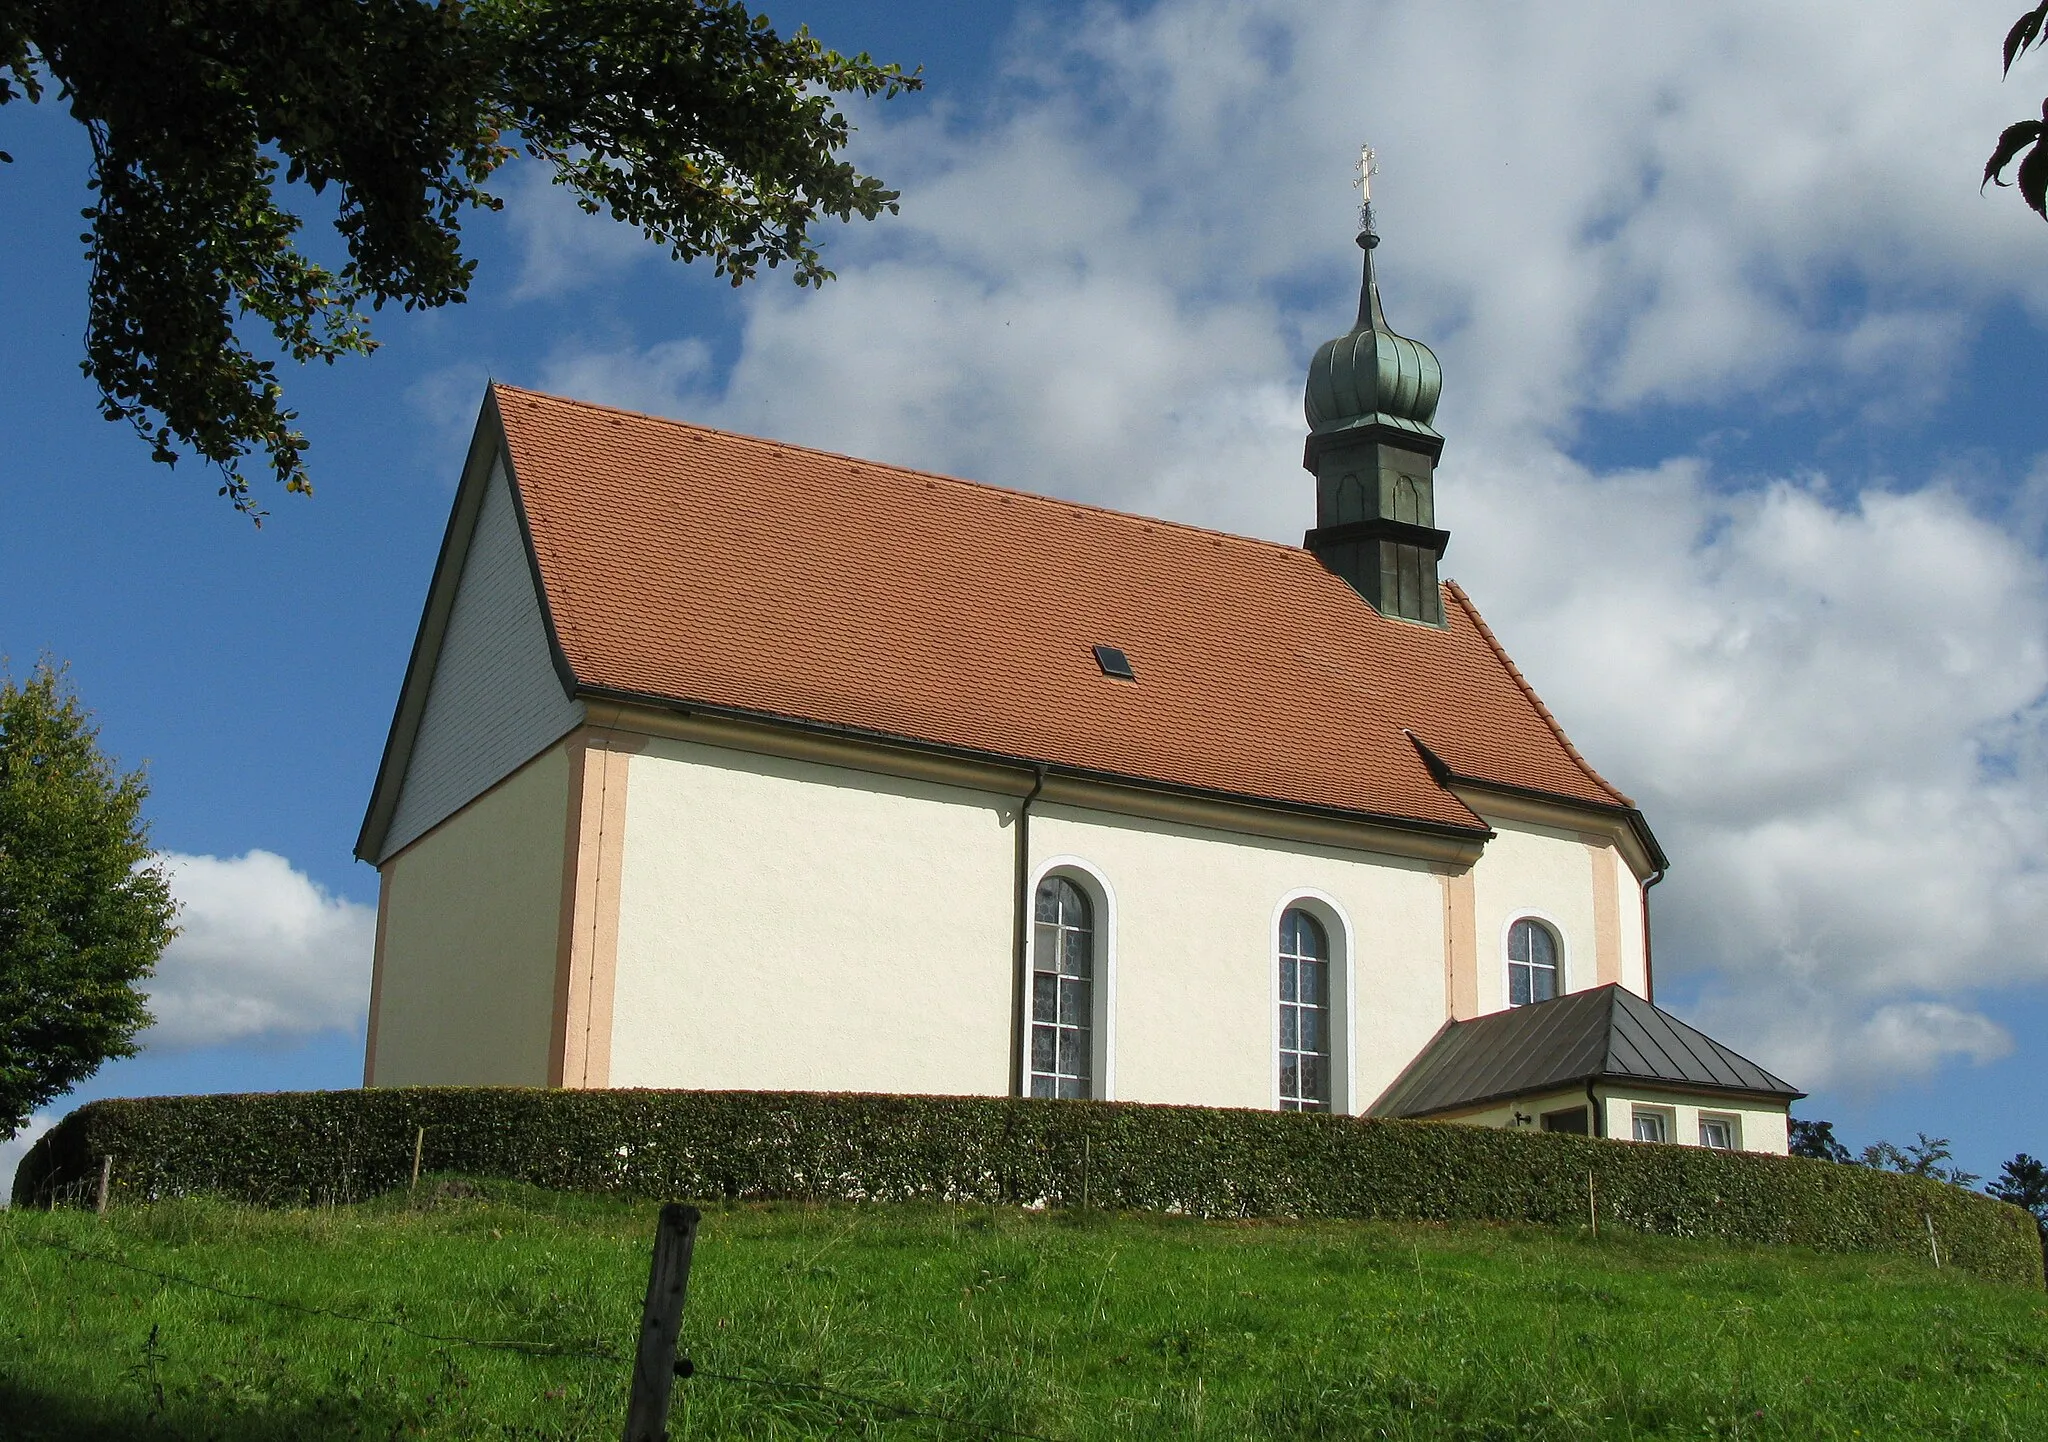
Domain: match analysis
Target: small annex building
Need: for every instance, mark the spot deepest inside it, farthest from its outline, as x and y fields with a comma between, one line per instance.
x=726, y=763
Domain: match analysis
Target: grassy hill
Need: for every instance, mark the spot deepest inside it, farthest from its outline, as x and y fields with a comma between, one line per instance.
x=823, y=1320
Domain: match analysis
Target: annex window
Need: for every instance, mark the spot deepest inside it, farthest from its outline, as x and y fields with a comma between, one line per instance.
x=1304, y=1013
x=1571, y=1120
x=1532, y=962
x=1062, y=991
x=1723, y=1133
x=1651, y=1124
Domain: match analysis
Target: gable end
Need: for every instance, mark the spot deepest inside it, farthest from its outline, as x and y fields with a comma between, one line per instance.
x=486, y=689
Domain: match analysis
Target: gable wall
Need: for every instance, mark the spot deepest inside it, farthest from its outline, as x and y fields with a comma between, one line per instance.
x=495, y=700
x=468, y=938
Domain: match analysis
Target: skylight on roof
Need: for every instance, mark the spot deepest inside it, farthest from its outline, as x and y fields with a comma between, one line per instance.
x=1114, y=663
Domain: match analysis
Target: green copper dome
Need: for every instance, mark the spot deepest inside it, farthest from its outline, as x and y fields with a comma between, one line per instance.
x=1371, y=376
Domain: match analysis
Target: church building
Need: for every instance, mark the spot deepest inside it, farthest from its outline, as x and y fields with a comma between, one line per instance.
x=726, y=763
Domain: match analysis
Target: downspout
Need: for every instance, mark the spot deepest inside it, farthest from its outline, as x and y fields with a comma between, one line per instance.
x=1649, y=976
x=1021, y=933
x=1599, y=1119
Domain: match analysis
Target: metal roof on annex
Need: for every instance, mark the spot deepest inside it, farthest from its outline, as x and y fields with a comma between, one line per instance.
x=1606, y=1034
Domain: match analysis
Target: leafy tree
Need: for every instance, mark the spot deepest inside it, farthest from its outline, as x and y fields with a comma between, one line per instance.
x=2030, y=136
x=1926, y=1157
x=83, y=913
x=690, y=119
x=2023, y=1181
x=1816, y=1139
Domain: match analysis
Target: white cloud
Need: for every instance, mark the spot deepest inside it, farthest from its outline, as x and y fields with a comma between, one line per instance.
x=264, y=952
x=13, y=1150
x=1826, y=689
x=647, y=380
x=565, y=249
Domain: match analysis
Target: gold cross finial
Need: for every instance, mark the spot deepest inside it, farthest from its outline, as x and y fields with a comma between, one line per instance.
x=1368, y=167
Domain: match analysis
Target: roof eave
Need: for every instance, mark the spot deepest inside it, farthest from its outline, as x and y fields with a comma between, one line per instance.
x=1650, y=855
x=1027, y=768
x=486, y=441
x=1566, y=1083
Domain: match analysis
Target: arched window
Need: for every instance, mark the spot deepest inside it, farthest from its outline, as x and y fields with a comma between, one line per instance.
x=1062, y=991
x=1304, y=1013
x=1532, y=962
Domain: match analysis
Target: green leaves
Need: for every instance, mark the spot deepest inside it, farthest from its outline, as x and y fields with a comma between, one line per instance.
x=739, y=161
x=2027, y=135
x=83, y=914
x=691, y=119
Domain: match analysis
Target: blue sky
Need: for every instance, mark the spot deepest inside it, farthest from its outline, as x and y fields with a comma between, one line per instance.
x=1746, y=463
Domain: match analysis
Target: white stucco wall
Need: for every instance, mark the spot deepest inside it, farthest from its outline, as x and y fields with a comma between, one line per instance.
x=1634, y=953
x=1503, y=1114
x=784, y=924
x=1197, y=916
x=1761, y=1127
x=1764, y=1127
x=466, y=969
x=1531, y=870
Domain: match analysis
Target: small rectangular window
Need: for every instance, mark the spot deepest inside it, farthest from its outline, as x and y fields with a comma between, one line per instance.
x=1571, y=1120
x=1722, y=1133
x=1652, y=1124
x=1114, y=663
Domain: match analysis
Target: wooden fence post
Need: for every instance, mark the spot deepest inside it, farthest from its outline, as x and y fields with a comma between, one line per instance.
x=661, y=1323
x=419, y=1144
x=99, y=1205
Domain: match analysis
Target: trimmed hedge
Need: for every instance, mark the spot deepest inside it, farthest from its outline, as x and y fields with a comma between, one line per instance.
x=295, y=1148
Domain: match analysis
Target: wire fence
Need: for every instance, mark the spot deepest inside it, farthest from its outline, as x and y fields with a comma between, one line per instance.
x=595, y=1352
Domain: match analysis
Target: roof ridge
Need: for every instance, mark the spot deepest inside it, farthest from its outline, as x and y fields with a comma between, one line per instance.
x=1515, y=673
x=1038, y=497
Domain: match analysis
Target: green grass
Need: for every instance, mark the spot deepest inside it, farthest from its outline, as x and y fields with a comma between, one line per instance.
x=1063, y=1325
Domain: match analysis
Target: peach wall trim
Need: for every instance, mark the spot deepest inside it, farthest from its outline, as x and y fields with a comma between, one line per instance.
x=587, y=950
x=1461, y=946
x=376, y=983
x=1606, y=910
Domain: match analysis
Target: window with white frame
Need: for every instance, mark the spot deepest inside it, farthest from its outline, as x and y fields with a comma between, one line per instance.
x=1304, y=1013
x=1651, y=1124
x=1062, y=991
x=1533, y=956
x=1722, y=1133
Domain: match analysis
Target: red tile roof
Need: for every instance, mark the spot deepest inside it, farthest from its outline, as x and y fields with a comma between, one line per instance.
x=694, y=565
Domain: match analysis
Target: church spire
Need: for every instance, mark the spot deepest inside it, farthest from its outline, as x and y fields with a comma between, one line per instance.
x=1370, y=399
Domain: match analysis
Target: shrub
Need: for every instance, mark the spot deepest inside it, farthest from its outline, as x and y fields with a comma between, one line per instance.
x=294, y=1148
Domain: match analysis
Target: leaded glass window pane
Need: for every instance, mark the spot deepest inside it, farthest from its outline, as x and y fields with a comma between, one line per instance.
x=1304, y=962
x=1532, y=963
x=1062, y=991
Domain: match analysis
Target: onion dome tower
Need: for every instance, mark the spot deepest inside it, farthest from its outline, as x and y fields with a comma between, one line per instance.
x=1371, y=447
